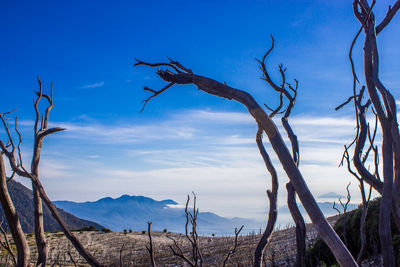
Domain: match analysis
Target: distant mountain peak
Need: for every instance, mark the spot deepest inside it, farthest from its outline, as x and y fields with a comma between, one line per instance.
x=133, y=212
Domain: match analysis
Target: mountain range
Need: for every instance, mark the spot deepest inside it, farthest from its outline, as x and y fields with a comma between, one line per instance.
x=23, y=201
x=133, y=212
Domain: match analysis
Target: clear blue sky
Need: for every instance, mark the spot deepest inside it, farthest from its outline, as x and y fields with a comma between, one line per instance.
x=185, y=140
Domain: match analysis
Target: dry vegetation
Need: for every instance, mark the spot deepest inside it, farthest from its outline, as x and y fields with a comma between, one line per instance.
x=128, y=249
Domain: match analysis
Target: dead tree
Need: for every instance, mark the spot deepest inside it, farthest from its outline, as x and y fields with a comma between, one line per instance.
x=385, y=107
x=196, y=257
x=11, y=215
x=235, y=246
x=150, y=247
x=289, y=92
x=300, y=225
x=344, y=206
x=175, y=73
x=272, y=196
x=41, y=130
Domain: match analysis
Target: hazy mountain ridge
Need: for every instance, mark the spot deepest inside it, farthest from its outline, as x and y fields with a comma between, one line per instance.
x=23, y=201
x=133, y=212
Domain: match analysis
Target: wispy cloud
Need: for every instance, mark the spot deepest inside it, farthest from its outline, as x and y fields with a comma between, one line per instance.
x=93, y=85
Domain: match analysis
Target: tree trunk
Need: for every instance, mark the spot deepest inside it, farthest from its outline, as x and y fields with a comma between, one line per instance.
x=13, y=220
x=385, y=232
x=40, y=237
x=371, y=65
x=75, y=242
x=300, y=226
x=272, y=195
x=363, y=236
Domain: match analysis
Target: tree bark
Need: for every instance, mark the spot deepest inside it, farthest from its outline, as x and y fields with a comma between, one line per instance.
x=11, y=214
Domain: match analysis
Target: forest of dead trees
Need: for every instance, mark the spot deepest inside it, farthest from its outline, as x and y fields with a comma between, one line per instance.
x=375, y=165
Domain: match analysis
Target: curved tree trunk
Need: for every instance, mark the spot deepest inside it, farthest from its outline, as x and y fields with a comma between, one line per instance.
x=13, y=220
x=213, y=87
x=272, y=195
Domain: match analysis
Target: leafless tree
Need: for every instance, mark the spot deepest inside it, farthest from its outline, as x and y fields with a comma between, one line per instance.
x=344, y=206
x=175, y=73
x=150, y=247
x=384, y=106
x=41, y=130
x=235, y=246
x=196, y=258
x=289, y=92
x=11, y=214
x=272, y=195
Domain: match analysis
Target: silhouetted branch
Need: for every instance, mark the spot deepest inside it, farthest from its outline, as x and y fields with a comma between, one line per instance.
x=233, y=250
x=192, y=237
x=150, y=247
x=389, y=15
x=272, y=196
x=6, y=244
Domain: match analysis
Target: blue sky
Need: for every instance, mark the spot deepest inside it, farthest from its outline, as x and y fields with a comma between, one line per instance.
x=184, y=140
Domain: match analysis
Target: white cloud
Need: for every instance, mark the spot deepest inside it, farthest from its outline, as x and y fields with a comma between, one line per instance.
x=94, y=85
x=209, y=152
x=124, y=134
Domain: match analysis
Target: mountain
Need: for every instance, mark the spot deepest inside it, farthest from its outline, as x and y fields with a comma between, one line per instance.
x=133, y=212
x=23, y=201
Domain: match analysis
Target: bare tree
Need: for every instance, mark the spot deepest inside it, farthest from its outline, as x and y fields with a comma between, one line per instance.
x=176, y=73
x=235, y=246
x=385, y=108
x=150, y=247
x=344, y=206
x=272, y=195
x=289, y=92
x=196, y=258
x=12, y=215
x=41, y=131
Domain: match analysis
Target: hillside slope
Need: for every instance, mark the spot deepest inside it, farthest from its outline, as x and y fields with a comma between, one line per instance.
x=23, y=201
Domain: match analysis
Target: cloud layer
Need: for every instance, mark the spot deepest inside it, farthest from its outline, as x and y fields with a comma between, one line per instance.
x=212, y=153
